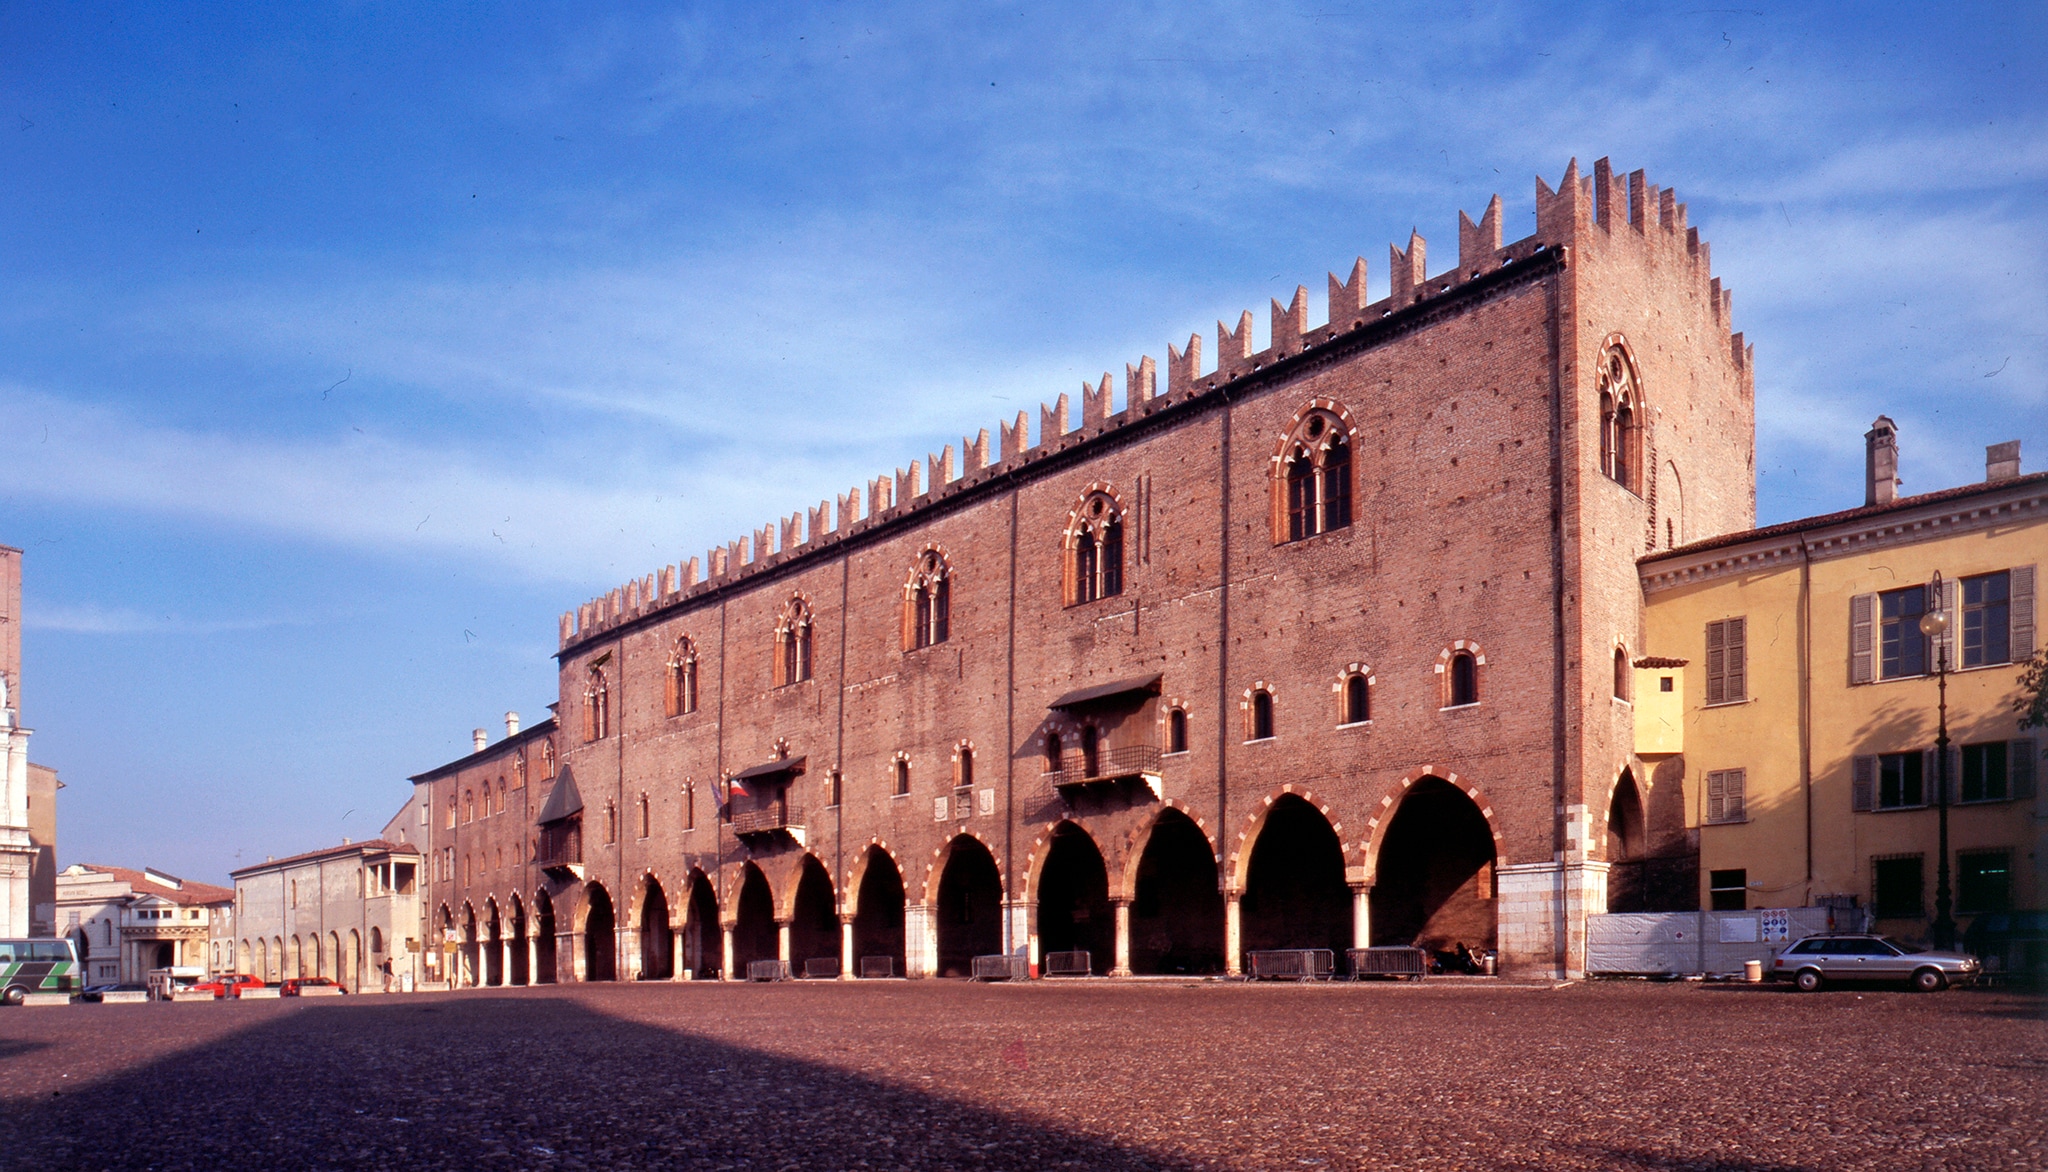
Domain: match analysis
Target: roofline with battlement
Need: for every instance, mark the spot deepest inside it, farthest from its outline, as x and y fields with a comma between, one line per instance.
x=1582, y=207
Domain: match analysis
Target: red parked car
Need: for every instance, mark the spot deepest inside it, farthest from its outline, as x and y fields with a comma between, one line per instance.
x=229, y=985
x=293, y=985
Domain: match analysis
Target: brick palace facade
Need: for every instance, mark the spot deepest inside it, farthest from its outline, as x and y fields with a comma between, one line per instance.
x=1313, y=647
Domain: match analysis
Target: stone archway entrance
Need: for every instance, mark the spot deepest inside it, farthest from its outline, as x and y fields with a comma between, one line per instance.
x=1073, y=900
x=970, y=907
x=657, y=943
x=1433, y=885
x=703, y=948
x=878, y=912
x=543, y=939
x=600, y=939
x=494, y=946
x=522, y=968
x=468, y=978
x=1177, y=913
x=1294, y=890
x=753, y=937
x=814, y=926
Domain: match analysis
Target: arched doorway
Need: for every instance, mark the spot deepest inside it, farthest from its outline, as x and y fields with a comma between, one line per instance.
x=1626, y=890
x=332, y=955
x=1073, y=900
x=753, y=937
x=262, y=970
x=878, y=911
x=1433, y=885
x=703, y=948
x=1294, y=891
x=522, y=967
x=494, y=945
x=814, y=928
x=166, y=955
x=543, y=939
x=600, y=940
x=352, y=961
x=295, y=960
x=657, y=943
x=970, y=907
x=1177, y=912
x=470, y=949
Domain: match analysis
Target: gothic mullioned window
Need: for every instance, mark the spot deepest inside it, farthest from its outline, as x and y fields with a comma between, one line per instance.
x=1095, y=549
x=1621, y=419
x=928, y=602
x=682, y=677
x=597, y=706
x=793, y=644
x=1312, y=490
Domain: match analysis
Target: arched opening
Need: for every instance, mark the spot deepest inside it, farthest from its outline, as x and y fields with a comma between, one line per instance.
x=244, y=960
x=1621, y=674
x=703, y=948
x=1357, y=701
x=657, y=943
x=814, y=928
x=1177, y=915
x=1434, y=882
x=1294, y=892
x=166, y=954
x=494, y=946
x=1627, y=890
x=522, y=967
x=262, y=969
x=1073, y=900
x=468, y=977
x=600, y=940
x=1091, y=751
x=970, y=907
x=878, y=914
x=1262, y=715
x=753, y=938
x=543, y=939
x=1177, y=731
x=1464, y=679
x=352, y=960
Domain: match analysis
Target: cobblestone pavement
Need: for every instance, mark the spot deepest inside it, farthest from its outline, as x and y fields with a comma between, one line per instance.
x=1097, y=1075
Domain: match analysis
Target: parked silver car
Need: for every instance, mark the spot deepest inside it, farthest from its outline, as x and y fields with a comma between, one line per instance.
x=1818, y=959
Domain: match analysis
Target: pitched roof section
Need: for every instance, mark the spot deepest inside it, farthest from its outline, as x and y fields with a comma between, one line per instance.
x=563, y=801
x=1848, y=516
x=374, y=846
x=493, y=749
x=191, y=892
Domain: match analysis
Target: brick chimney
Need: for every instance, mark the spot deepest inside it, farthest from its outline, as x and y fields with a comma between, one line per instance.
x=480, y=738
x=2002, y=461
x=1881, y=462
x=511, y=724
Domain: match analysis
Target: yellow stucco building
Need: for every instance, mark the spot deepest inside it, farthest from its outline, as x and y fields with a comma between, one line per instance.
x=1806, y=708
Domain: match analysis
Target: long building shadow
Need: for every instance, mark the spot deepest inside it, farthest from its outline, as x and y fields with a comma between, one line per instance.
x=510, y=1082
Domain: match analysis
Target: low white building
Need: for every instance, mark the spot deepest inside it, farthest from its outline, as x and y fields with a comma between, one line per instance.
x=127, y=922
x=345, y=912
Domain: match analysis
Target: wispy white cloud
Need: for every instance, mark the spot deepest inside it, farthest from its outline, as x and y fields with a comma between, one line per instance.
x=92, y=619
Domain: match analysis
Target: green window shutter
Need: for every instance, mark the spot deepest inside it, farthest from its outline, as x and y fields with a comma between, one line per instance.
x=1735, y=666
x=2020, y=612
x=1863, y=791
x=1862, y=660
x=1717, y=662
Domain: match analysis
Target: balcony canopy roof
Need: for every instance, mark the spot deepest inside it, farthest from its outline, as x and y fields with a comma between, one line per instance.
x=564, y=801
x=791, y=766
x=1121, y=690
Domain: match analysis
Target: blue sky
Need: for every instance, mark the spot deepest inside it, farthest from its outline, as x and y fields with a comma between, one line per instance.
x=343, y=349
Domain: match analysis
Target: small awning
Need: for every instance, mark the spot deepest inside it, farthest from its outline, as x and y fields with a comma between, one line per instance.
x=563, y=801
x=788, y=765
x=1656, y=661
x=1082, y=698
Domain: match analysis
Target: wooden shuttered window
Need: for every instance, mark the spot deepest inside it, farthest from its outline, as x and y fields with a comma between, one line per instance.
x=2021, y=622
x=1728, y=661
x=1863, y=790
x=2023, y=760
x=1862, y=638
x=1726, y=795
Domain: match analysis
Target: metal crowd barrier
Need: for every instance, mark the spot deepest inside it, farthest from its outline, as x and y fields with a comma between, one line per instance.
x=1291, y=964
x=821, y=968
x=1066, y=964
x=1002, y=967
x=1389, y=960
x=767, y=970
x=875, y=967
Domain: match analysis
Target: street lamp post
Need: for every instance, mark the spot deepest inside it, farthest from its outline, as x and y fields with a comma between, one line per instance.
x=1934, y=624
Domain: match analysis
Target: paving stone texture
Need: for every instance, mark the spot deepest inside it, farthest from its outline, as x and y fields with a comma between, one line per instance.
x=1108, y=1075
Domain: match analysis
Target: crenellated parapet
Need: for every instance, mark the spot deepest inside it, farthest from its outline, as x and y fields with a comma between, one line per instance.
x=1595, y=211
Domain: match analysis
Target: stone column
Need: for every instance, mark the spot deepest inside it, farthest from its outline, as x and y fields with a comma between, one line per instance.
x=726, y=934
x=578, y=966
x=1123, y=939
x=782, y=946
x=920, y=941
x=675, y=964
x=505, y=962
x=1233, y=936
x=846, y=957
x=1019, y=936
x=533, y=959
x=1361, y=915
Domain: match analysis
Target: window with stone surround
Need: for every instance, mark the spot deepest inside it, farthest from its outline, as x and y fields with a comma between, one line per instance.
x=682, y=677
x=597, y=705
x=1095, y=548
x=928, y=601
x=793, y=643
x=1176, y=729
x=1621, y=419
x=1312, y=483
